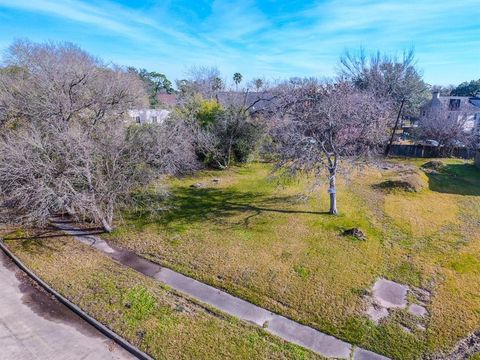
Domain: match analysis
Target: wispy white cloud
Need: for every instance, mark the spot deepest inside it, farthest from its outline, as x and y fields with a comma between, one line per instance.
x=234, y=21
x=257, y=39
x=105, y=15
x=72, y=10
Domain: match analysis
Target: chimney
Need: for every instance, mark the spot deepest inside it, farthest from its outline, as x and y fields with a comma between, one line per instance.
x=435, y=94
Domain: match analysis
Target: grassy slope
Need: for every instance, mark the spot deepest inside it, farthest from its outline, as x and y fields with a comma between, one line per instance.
x=254, y=237
x=152, y=317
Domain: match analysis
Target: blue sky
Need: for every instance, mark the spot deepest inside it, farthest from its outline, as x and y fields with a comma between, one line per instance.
x=269, y=38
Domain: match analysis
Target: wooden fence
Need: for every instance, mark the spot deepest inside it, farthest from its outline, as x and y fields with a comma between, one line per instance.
x=428, y=151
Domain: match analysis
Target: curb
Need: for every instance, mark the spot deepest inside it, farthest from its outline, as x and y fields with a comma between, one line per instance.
x=77, y=310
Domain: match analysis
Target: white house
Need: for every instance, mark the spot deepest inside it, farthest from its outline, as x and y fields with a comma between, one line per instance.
x=148, y=116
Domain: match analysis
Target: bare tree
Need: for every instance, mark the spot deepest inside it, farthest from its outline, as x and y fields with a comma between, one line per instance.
x=322, y=123
x=448, y=128
x=258, y=84
x=203, y=80
x=217, y=84
x=60, y=82
x=71, y=149
x=49, y=169
x=396, y=81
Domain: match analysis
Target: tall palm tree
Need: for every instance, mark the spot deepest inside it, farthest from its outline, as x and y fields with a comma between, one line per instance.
x=237, y=78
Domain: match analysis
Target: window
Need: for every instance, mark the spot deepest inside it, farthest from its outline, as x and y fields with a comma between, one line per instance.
x=137, y=119
x=454, y=104
x=154, y=119
x=424, y=113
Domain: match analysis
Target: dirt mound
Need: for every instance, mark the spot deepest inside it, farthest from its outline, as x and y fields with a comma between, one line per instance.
x=410, y=181
x=434, y=165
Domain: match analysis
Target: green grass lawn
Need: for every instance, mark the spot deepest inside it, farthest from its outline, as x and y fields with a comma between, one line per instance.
x=149, y=315
x=261, y=239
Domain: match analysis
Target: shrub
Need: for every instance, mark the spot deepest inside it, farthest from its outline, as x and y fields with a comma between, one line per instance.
x=207, y=112
x=232, y=137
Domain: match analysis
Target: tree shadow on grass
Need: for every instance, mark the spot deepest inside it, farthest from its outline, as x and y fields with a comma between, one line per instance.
x=37, y=236
x=195, y=205
x=53, y=232
x=460, y=179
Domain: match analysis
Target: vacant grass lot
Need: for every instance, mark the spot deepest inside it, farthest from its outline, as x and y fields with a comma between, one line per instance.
x=261, y=239
x=152, y=317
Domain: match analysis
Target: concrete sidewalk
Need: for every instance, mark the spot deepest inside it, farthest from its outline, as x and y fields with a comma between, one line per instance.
x=280, y=326
x=33, y=326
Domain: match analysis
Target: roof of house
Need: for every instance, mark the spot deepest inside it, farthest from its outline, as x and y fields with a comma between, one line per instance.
x=475, y=101
x=167, y=99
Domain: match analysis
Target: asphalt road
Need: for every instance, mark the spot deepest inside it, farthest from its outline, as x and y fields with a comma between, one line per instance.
x=34, y=326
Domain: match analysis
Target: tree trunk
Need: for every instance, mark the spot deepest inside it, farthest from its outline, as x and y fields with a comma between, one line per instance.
x=69, y=210
x=389, y=145
x=332, y=190
x=106, y=225
x=107, y=220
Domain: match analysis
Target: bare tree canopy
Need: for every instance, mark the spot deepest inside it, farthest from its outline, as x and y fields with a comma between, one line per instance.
x=387, y=76
x=323, y=123
x=56, y=169
x=258, y=84
x=395, y=81
x=446, y=128
x=71, y=149
x=203, y=80
x=61, y=82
